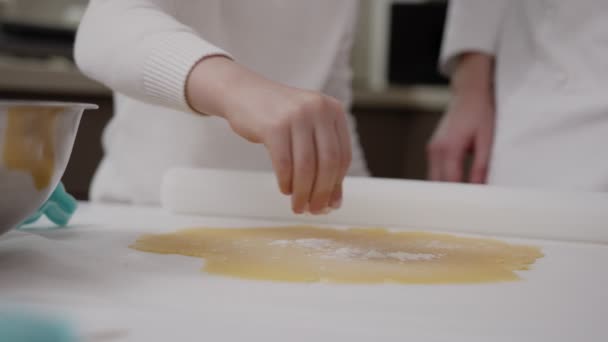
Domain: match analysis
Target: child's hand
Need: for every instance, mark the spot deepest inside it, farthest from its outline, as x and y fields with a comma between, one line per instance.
x=305, y=132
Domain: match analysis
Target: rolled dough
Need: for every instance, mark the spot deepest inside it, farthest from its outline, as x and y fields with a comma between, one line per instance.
x=357, y=255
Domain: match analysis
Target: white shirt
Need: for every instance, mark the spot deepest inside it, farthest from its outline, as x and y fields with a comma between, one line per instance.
x=144, y=50
x=551, y=87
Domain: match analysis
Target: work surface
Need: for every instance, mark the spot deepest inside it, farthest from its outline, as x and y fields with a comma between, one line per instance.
x=89, y=274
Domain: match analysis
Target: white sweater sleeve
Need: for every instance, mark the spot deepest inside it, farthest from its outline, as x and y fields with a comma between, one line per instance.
x=472, y=26
x=138, y=48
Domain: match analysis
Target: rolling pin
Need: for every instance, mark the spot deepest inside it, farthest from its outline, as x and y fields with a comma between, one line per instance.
x=413, y=205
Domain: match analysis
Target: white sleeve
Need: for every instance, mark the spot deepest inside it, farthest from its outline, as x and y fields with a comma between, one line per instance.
x=472, y=26
x=138, y=48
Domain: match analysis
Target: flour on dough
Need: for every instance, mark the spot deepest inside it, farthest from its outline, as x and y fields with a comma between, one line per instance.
x=357, y=255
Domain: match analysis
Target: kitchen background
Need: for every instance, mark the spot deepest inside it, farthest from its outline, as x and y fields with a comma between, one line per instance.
x=399, y=95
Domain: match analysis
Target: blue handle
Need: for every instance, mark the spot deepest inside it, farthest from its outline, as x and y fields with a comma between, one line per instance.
x=25, y=327
x=59, y=208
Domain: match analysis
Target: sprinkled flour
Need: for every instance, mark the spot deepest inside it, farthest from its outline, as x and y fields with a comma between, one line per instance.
x=404, y=256
x=330, y=250
x=281, y=243
x=442, y=245
x=316, y=244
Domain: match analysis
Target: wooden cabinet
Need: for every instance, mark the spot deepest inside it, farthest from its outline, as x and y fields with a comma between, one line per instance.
x=394, y=140
x=395, y=125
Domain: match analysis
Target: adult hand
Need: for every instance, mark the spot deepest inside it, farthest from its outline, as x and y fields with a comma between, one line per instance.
x=467, y=126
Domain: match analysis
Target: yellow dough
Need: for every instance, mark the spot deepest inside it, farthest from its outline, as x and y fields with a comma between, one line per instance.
x=358, y=255
x=29, y=144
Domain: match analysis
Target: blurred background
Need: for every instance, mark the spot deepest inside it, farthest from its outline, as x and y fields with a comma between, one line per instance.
x=399, y=96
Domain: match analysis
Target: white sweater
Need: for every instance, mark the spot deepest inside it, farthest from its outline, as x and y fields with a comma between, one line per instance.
x=144, y=50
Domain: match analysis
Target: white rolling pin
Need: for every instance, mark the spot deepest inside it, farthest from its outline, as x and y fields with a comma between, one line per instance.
x=416, y=205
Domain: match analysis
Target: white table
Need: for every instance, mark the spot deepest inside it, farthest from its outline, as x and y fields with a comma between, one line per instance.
x=89, y=274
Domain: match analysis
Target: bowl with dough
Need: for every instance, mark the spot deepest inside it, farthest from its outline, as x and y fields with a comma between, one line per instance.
x=36, y=140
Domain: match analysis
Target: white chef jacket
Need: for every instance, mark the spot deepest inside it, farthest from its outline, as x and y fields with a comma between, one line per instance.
x=144, y=50
x=551, y=86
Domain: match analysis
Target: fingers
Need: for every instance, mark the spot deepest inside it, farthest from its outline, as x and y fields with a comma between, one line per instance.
x=483, y=149
x=453, y=164
x=344, y=141
x=279, y=146
x=434, y=163
x=436, y=149
x=328, y=164
x=336, y=197
x=447, y=160
x=309, y=145
x=304, y=164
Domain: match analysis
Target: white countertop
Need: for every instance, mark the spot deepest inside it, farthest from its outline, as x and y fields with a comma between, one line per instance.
x=89, y=274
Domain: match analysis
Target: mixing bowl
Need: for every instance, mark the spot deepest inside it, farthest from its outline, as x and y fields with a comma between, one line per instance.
x=36, y=140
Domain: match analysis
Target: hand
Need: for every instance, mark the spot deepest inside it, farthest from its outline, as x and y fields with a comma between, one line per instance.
x=468, y=125
x=305, y=132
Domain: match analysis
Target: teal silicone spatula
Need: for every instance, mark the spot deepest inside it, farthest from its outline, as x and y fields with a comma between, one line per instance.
x=59, y=208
